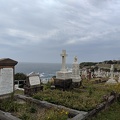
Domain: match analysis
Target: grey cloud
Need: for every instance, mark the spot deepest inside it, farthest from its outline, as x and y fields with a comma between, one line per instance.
x=47, y=27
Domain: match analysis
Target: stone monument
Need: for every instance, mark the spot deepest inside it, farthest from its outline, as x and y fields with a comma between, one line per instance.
x=7, y=76
x=111, y=80
x=75, y=73
x=63, y=73
x=63, y=77
x=33, y=84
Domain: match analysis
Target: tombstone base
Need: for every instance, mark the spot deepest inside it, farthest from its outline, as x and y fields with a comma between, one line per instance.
x=32, y=90
x=111, y=81
x=63, y=83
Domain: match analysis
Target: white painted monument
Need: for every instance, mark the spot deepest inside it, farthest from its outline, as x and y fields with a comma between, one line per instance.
x=7, y=76
x=6, y=80
x=111, y=80
x=63, y=73
x=75, y=71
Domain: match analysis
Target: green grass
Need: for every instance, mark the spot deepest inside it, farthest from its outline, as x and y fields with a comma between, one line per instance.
x=30, y=111
x=21, y=92
x=80, y=98
x=112, y=113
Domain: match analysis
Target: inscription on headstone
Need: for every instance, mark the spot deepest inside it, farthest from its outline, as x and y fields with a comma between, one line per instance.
x=34, y=80
x=6, y=81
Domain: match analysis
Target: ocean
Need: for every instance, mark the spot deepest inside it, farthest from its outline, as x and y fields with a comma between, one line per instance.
x=46, y=70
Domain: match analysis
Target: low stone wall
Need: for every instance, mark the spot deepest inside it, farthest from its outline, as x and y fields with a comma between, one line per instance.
x=7, y=116
x=77, y=115
x=72, y=112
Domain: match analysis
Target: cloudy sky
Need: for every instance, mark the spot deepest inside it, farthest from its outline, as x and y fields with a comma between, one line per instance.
x=38, y=30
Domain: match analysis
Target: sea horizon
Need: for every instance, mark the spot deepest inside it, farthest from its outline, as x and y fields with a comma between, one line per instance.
x=46, y=70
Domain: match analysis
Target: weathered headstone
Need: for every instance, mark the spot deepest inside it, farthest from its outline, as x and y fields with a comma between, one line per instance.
x=111, y=80
x=33, y=84
x=76, y=73
x=7, y=76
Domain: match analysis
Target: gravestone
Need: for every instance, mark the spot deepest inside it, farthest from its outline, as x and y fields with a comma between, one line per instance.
x=7, y=76
x=63, y=73
x=119, y=78
x=99, y=74
x=111, y=80
x=33, y=84
x=63, y=77
x=75, y=73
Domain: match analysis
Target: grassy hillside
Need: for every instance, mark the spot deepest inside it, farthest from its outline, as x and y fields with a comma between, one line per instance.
x=104, y=65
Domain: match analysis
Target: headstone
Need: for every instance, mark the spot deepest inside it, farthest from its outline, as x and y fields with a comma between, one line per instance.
x=7, y=76
x=76, y=73
x=63, y=73
x=34, y=79
x=33, y=84
x=111, y=80
x=63, y=77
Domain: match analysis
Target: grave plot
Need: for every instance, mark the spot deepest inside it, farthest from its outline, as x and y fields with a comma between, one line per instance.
x=28, y=110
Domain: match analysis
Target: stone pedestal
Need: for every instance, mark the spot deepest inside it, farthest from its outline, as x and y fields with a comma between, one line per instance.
x=63, y=75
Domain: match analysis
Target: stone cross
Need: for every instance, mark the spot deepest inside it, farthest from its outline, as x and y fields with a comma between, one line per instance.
x=63, y=60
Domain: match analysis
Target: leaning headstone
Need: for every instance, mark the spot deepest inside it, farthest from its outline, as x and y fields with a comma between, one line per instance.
x=7, y=76
x=76, y=73
x=111, y=80
x=63, y=77
x=33, y=84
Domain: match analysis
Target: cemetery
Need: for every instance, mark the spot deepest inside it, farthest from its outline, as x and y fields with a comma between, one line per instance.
x=80, y=94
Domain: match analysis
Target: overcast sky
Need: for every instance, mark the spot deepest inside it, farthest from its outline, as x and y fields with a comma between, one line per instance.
x=38, y=30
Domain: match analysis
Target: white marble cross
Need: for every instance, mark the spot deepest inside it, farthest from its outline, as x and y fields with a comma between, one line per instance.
x=63, y=54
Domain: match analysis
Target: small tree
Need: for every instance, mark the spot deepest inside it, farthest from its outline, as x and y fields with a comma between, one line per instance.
x=20, y=76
